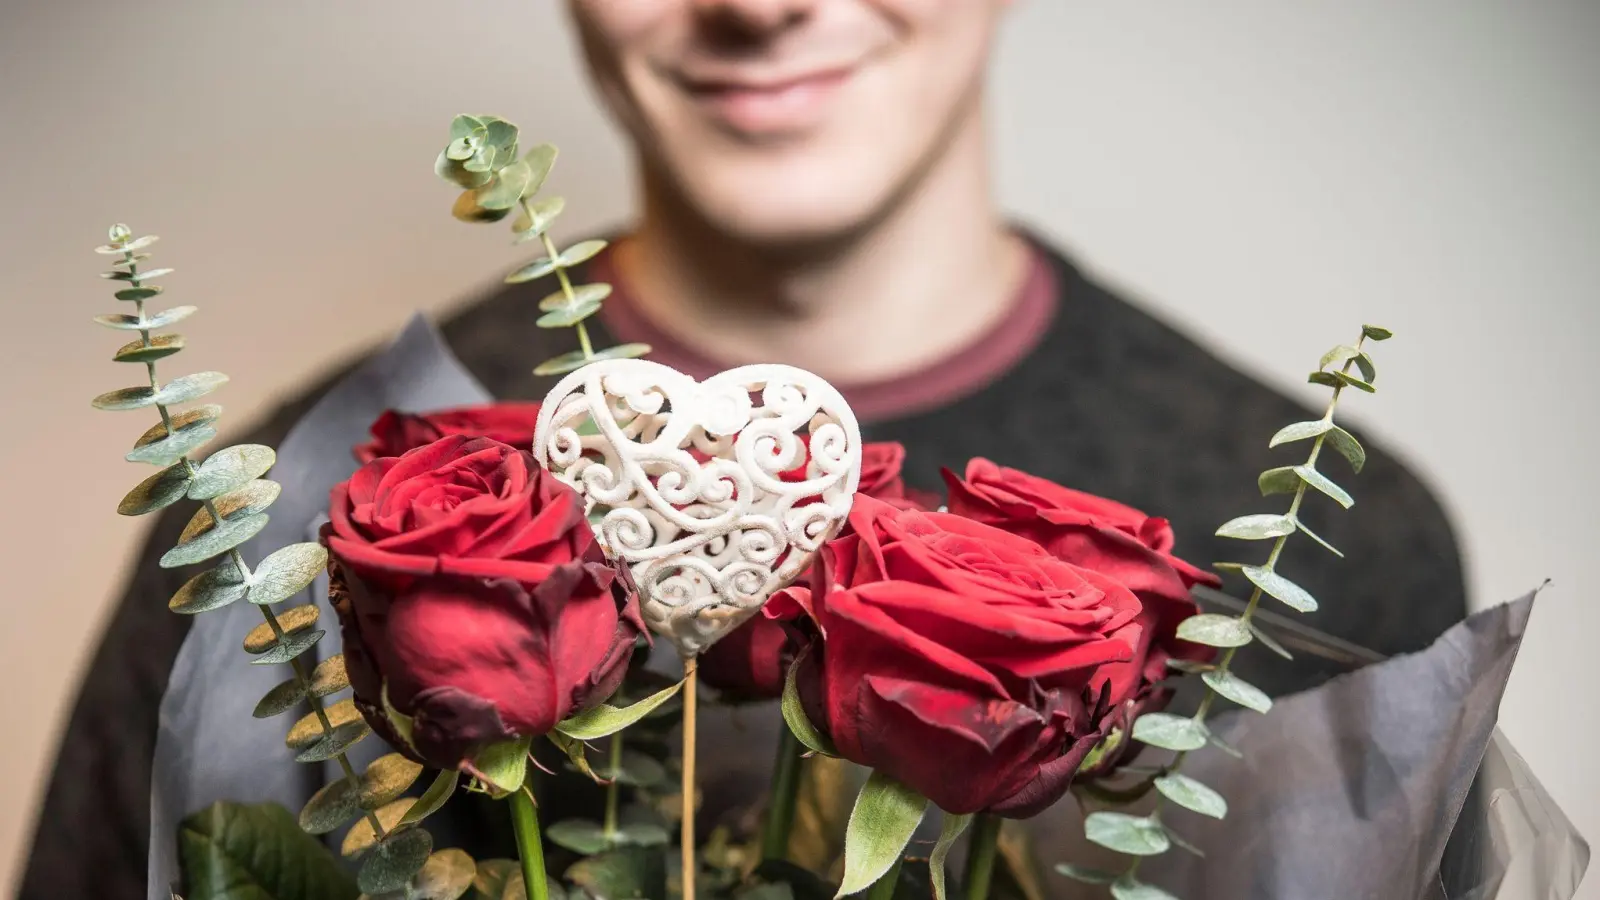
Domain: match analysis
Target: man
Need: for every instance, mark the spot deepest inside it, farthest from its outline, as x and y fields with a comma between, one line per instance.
x=816, y=191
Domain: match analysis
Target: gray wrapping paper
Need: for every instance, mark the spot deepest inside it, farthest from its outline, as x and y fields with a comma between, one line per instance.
x=208, y=748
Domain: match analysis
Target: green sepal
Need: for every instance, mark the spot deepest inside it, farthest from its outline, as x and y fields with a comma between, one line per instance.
x=503, y=767
x=605, y=720
x=574, y=749
x=1133, y=835
x=885, y=815
x=235, y=851
x=949, y=831
x=432, y=799
x=794, y=713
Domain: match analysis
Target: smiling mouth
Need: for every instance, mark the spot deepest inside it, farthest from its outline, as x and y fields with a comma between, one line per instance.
x=767, y=108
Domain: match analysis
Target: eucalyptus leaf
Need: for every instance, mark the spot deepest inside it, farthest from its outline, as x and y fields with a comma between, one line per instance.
x=237, y=851
x=1238, y=690
x=361, y=837
x=504, y=765
x=123, y=399
x=189, y=387
x=453, y=171
x=1189, y=666
x=230, y=469
x=1318, y=538
x=1274, y=585
x=885, y=816
x=433, y=799
x=568, y=316
x=1326, y=379
x=160, y=346
x=467, y=209
x=136, y=277
x=794, y=713
x=334, y=806
x=581, y=252
x=643, y=834
x=1133, y=835
x=1338, y=356
x=204, y=414
x=1282, y=480
x=605, y=720
x=581, y=294
x=464, y=126
x=637, y=769
x=220, y=539
x=1324, y=484
x=282, y=698
x=286, y=572
x=447, y=875
x=289, y=648
x=1257, y=527
x=157, y=492
x=1375, y=333
x=1348, y=447
x=576, y=254
x=343, y=738
x=1192, y=795
x=540, y=159
x=534, y=219
x=626, y=873
x=506, y=188
x=1214, y=630
x=1300, y=431
x=950, y=830
x=1270, y=642
x=253, y=498
x=390, y=865
x=135, y=294
x=1182, y=844
x=1369, y=369
x=126, y=322
x=1170, y=732
x=500, y=134
x=388, y=777
x=1085, y=874
x=168, y=450
x=329, y=677
x=1352, y=381
x=308, y=730
x=578, y=835
x=1128, y=887
x=290, y=621
x=1225, y=747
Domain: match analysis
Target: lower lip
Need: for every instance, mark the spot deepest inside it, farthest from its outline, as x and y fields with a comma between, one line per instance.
x=792, y=107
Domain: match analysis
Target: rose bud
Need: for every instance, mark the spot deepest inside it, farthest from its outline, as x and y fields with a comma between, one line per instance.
x=394, y=432
x=962, y=661
x=475, y=604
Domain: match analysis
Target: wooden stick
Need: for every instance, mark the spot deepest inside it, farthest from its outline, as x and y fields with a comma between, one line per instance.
x=686, y=838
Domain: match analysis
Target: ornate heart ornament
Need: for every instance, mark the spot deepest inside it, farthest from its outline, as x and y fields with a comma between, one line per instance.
x=715, y=494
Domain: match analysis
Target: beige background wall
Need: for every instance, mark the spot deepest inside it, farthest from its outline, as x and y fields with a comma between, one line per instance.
x=1266, y=174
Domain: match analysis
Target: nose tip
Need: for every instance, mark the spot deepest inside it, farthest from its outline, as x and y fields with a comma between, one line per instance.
x=754, y=15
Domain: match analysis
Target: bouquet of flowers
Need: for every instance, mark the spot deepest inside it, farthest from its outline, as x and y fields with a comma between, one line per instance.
x=534, y=600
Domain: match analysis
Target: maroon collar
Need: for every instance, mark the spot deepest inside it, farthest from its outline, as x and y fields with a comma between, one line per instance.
x=964, y=372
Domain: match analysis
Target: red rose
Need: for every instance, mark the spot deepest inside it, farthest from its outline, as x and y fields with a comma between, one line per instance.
x=396, y=432
x=1107, y=537
x=964, y=662
x=750, y=663
x=473, y=598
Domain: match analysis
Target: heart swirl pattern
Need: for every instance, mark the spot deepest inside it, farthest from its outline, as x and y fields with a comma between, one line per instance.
x=713, y=494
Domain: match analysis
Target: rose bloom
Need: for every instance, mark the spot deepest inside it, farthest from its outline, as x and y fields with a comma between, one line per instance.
x=473, y=598
x=966, y=663
x=1107, y=537
x=750, y=663
x=394, y=432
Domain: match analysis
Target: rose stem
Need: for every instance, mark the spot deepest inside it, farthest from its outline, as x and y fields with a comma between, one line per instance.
x=981, y=848
x=525, y=821
x=686, y=835
x=785, y=788
x=883, y=888
x=613, y=789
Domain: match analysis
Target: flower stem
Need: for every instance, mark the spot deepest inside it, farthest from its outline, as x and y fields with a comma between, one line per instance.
x=785, y=792
x=686, y=834
x=981, y=849
x=883, y=888
x=613, y=789
x=525, y=821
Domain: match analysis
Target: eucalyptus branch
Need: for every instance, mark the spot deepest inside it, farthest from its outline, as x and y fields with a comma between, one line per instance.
x=1143, y=836
x=234, y=495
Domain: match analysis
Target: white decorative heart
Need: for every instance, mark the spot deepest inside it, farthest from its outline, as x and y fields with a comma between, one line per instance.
x=682, y=480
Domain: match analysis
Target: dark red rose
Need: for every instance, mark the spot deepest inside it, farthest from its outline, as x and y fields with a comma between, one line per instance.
x=396, y=432
x=750, y=663
x=965, y=662
x=474, y=601
x=1107, y=537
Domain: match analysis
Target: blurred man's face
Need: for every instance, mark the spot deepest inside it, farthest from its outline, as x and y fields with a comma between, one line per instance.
x=789, y=120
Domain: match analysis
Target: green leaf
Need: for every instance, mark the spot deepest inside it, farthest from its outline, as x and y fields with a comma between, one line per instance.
x=1189, y=666
x=1179, y=842
x=386, y=779
x=643, y=834
x=159, y=491
x=123, y=399
x=447, y=875
x=255, y=497
x=282, y=698
x=578, y=835
x=571, y=362
x=581, y=294
x=1257, y=527
x=464, y=126
x=1324, y=484
x=1355, y=382
x=361, y=837
x=290, y=647
x=1128, y=887
x=540, y=159
x=1238, y=690
x=1374, y=333
x=1225, y=747
x=574, y=749
x=885, y=816
x=1338, y=356
x=168, y=450
x=144, y=292
x=568, y=316
x=1300, y=431
x=576, y=254
x=1214, y=630
x=1133, y=835
x=1192, y=795
x=950, y=830
x=329, y=677
x=235, y=851
x=506, y=188
x=137, y=351
x=230, y=469
x=1348, y=447
x=1315, y=537
x=1085, y=874
x=492, y=878
x=637, y=770
x=343, y=738
x=503, y=766
x=467, y=209
x=535, y=219
x=622, y=874
x=432, y=799
x=1274, y=585
x=605, y=720
x=1369, y=370
x=219, y=539
x=286, y=572
x=1270, y=642
x=126, y=322
x=1170, y=732
x=794, y=713
x=391, y=863
x=1282, y=480
x=189, y=387
x=333, y=806
x=136, y=277
x=1326, y=379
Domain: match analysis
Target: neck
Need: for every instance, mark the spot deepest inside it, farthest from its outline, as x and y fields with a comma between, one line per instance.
x=919, y=283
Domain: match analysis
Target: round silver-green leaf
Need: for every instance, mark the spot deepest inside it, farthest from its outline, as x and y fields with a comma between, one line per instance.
x=1348, y=447
x=568, y=316
x=643, y=834
x=126, y=322
x=171, y=449
x=1133, y=835
x=282, y=698
x=447, y=875
x=212, y=589
x=161, y=345
x=286, y=572
x=1085, y=874
x=433, y=799
x=159, y=491
x=330, y=677
x=138, y=293
x=125, y=398
x=534, y=219
x=1326, y=485
x=230, y=469
x=1192, y=795
x=581, y=293
x=1128, y=887
x=1238, y=690
x=578, y=835
x=1257, y=527
x=540, y=159
x=1300, y=431
x=247, y=501
x=343, y=738
x=329, y=808
x=289, y=648
x=189, y=387
x=1274, y=585
x=1170, y=732
x=391, y=863
x=1270, y=642
x=386, y=779
x=506, y=188
x=1214, y=630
